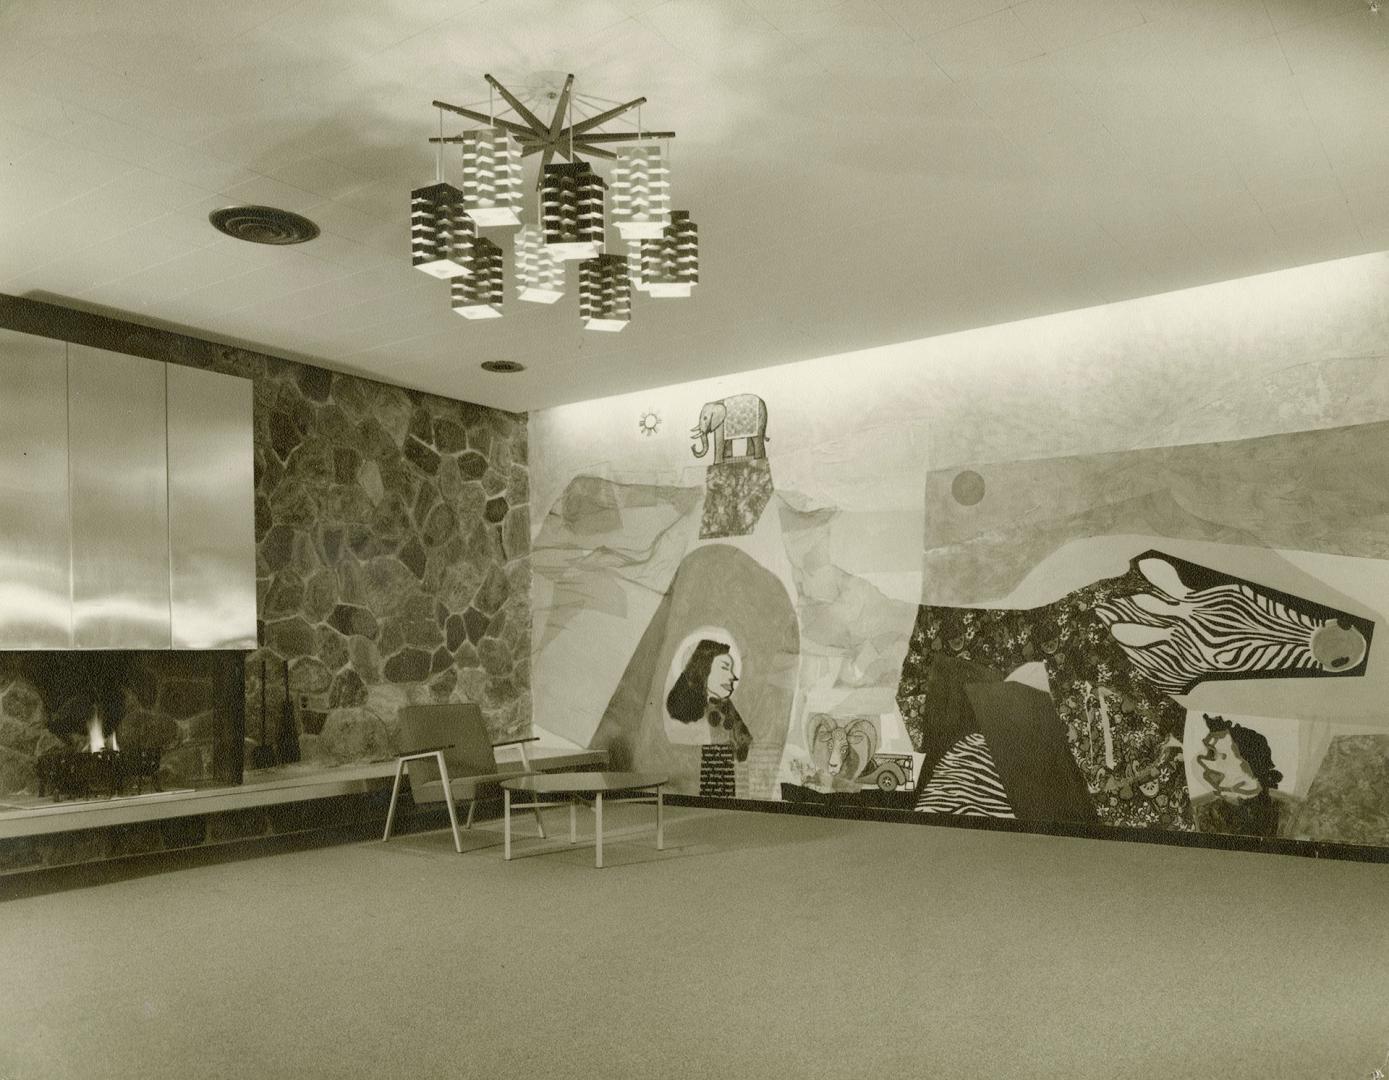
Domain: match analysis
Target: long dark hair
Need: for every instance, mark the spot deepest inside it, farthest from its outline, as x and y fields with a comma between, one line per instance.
x=689, y=697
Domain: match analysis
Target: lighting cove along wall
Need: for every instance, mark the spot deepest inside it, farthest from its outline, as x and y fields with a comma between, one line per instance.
x=1119, y=567
x=392, y=557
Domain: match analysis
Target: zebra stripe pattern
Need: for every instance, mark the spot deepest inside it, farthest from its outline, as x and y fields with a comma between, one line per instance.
x=966, y=783
x=1226, y=629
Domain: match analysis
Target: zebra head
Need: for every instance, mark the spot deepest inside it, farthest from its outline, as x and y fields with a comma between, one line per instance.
x=1190, y=624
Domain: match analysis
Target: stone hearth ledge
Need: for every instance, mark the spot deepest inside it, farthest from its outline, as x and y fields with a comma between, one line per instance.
x=293, y=785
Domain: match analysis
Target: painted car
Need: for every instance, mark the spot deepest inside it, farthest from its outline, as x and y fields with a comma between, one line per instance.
x=887, y=772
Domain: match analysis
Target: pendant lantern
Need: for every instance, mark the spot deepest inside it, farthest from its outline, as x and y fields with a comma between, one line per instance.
x=659, y=249
x=640, y=192
x=571, y=210
x=539, y=275
x=605, y=293
x=479, y=295
x=491, y=177
x=670, y=265
x=441, y=234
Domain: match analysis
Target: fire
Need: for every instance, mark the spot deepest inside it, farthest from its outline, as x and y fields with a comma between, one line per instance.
x=96, y=741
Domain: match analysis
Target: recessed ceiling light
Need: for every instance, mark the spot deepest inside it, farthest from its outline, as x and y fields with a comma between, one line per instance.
x=503, y=367
x=263, y=225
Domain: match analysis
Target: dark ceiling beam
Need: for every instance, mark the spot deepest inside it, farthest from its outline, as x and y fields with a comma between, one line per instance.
x=602, y=117
x=536, y=124
x=471, y=114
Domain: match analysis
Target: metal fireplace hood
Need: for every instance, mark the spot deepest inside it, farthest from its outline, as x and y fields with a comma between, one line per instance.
x=127, y=502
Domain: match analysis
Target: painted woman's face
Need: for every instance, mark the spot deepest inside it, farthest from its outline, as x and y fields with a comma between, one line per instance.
x=1224, y=769
x=722, y=677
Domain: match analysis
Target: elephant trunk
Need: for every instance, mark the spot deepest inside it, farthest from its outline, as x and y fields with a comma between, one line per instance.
x=703, y=447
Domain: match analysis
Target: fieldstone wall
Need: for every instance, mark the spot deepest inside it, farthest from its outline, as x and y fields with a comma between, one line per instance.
x=393, y=557
x=393, y=546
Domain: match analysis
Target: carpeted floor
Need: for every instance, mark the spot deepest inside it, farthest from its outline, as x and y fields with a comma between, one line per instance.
x=756, y=945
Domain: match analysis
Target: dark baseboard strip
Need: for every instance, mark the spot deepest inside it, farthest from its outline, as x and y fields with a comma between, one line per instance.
x=53, y=879
x=42, y=880
x=1313, y=849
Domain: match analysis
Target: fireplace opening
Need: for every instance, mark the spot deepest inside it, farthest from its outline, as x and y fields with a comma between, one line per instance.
x=114, y=723
x=90, y=763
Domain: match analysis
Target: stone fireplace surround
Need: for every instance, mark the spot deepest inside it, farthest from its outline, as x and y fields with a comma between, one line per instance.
x=393, y=567
x=392, y=562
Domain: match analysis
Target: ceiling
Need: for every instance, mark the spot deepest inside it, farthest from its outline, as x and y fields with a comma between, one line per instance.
x=862, y=172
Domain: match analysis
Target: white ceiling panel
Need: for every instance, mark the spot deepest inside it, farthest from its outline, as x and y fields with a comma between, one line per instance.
x=922, y=20
x=862, y=171
x=1212, y=22
x=982, y=45
x=1060, y=24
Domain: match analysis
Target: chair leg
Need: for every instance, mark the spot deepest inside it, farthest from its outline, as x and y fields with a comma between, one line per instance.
x=395, y=794
x=506, y=823
x=598, y=829
x=469, y=823
x=448, y=801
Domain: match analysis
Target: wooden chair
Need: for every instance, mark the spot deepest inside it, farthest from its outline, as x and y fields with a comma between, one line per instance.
x=454, y=760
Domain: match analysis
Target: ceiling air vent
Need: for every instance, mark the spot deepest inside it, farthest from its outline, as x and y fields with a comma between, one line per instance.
x=503, y=367
x=263, y=225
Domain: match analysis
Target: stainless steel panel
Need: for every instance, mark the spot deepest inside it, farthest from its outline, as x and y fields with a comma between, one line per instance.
x=120, y=512
x=211, y=510
x=35, y=595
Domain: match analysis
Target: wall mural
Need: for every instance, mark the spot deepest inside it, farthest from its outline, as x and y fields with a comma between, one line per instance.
x=703, y=691
x=1073, y=710
x=1105, y=743
x=738, y=486
x=1169, y=637
x=707, y=694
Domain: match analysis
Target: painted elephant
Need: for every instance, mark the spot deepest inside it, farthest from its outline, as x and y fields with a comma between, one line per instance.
x=742, y=416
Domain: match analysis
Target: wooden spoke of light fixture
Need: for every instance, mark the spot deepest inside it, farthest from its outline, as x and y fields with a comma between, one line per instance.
x=538, y=137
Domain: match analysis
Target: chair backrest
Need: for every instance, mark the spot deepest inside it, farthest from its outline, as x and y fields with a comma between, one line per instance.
x=423, y=726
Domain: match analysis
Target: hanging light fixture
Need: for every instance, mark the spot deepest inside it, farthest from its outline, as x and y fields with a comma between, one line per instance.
x=491, y=177
x=571, y=216
x=479, y=294
x=571, y=210
x=440, y=232
x=641, y=192
x=539, y=275
x=670, y=265
x=605, y=293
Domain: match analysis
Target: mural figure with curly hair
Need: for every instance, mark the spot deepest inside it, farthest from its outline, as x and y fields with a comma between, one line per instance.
x=1238, y=765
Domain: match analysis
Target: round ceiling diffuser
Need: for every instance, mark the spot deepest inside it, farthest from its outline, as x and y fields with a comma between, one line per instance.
x=263, y=225
x=503, y=367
